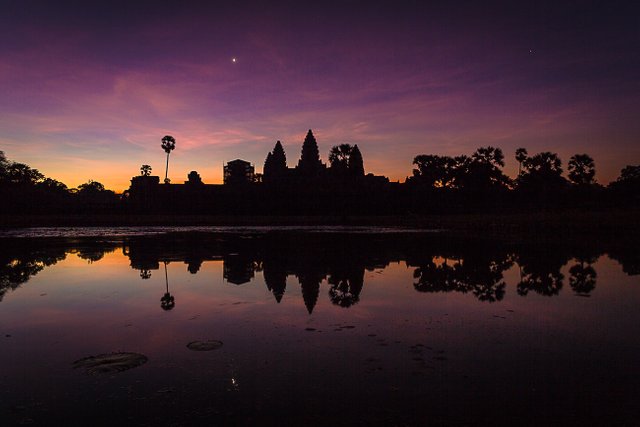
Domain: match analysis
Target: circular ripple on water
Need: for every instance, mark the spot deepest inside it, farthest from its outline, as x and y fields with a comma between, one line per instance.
x=110, y=362
x=204, y=345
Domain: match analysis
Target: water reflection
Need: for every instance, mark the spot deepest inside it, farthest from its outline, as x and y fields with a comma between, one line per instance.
x=583, y=276
x=390, y=314
x=477, y=273
x=167, y=302
x=18, y=263
x=440, y=265
x=540, y=271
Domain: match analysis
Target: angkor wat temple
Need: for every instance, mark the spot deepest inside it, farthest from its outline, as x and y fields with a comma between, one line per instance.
x=311, y=187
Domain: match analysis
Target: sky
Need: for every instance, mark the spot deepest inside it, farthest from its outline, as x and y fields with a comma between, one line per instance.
x=87, y=91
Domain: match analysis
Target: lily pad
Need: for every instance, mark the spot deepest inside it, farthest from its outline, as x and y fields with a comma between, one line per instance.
x=110, y=362
x=204, y=345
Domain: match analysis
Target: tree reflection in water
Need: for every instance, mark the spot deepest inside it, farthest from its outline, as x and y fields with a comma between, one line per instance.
x=167, y=302
x=335, y=259
x=476, y=273
x=540, y=272
x=346, y=286
x=583, y=276
x=19, y=262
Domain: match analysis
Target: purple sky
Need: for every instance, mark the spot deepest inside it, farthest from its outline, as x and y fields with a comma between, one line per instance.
x=87, y=91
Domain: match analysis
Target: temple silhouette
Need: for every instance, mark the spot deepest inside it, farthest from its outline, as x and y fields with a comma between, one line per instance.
x=309, y=187
x=339, y=189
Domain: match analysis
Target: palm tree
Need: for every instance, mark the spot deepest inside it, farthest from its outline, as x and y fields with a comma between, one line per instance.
x=582, y=169
x=145, y=170
x=521, y=156
x=168, y=145
x=167, y=302
x=340, y=154
x=339, y=157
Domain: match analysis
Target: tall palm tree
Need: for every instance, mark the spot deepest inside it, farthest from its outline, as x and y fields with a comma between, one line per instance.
x=582, y=169
x=167, y=302
x=521, y=156
x=168, y=145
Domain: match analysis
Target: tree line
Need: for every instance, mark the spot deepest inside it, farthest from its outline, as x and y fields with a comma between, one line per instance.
x=438, y=184
x=338, y=263
x=483, y=171
x=26, y=190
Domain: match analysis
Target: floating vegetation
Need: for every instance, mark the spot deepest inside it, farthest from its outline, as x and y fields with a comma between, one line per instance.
x=204, y=345
x=110, y=362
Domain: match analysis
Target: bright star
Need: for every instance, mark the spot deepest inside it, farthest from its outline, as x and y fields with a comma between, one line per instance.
x=233, y=59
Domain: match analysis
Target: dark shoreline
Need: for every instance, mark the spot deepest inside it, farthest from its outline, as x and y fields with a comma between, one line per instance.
x=609, y=223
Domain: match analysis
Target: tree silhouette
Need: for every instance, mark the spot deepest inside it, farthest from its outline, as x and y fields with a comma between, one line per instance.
x=628, y=259
x=92, y=254
x=309, y=163
x=168, y=145
x=544, y=162
x=483, y=171
x=542, y=172
x=4, y=164
x=339, y=155
x=540, y=273
x=489, y=156
x=19, y=173
x=167, y=302
x=583, y=277
x=194, y=178
x=339, y=158
x=436, y=278
x=51, y=185
x=630, y=173
x=346, y=284
x=482, y=275
x=18, y=264
x=627, y=185
x=93, y=196
x=521, y=157
x=436, y=171
x=145, y=170
x=581, y=169
x=478, y=273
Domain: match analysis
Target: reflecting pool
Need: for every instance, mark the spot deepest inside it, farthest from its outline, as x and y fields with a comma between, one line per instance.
x=348, y=327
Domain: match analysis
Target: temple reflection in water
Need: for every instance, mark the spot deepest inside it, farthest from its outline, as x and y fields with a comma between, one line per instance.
x=409, y=325
x=439, y=264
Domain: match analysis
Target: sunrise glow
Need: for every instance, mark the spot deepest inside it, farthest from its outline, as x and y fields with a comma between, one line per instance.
x=88, y=91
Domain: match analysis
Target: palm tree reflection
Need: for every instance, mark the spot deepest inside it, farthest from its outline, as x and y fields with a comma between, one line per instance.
x=346, y=286
x=541, y=273
x=167, y=302
x=583, y=277
x=477, y=273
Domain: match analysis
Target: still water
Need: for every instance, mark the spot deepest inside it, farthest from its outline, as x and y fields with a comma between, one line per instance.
x=348, y=327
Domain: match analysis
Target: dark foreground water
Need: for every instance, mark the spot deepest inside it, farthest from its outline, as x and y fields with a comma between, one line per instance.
x=307, y=327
